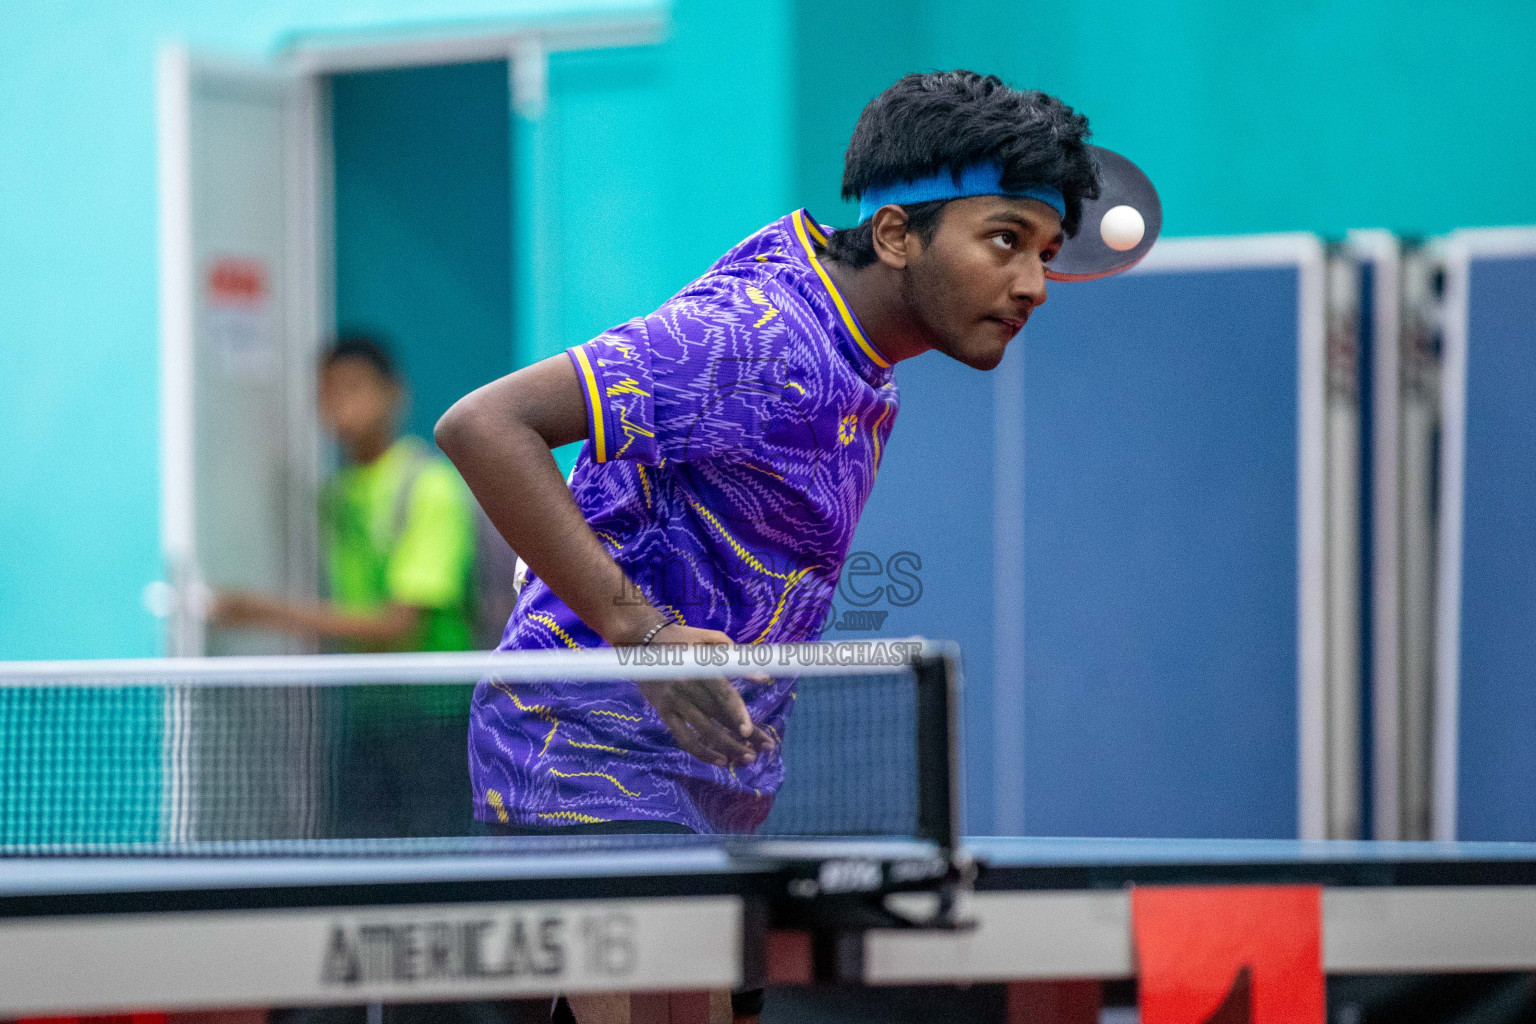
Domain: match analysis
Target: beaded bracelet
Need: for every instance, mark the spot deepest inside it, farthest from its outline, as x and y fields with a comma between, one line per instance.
x=646, y=640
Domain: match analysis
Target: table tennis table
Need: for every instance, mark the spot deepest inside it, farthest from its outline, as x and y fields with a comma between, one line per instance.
x=669, y=918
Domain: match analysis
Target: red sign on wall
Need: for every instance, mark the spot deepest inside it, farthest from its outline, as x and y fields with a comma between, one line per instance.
x=237, y=311
x=237, y=280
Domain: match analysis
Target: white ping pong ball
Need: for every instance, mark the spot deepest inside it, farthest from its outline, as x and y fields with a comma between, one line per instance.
x=1122, y=228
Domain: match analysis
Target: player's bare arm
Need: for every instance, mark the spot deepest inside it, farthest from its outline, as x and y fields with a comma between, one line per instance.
x=501, y=437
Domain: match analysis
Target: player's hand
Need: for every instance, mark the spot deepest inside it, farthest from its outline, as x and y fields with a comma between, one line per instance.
x=707, y=717
x=235, y=608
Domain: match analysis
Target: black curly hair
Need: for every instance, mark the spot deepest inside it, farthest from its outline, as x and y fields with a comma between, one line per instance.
x=949, y=120
x=367, y=347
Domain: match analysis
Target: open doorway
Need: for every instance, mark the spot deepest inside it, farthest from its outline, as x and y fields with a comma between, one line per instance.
x=388, y=183
x=423, y=229
x=350, y=185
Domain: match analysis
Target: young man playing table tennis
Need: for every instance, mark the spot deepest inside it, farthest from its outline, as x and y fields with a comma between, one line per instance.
x=731, y=439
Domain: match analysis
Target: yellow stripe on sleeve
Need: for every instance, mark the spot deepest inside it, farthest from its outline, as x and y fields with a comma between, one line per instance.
x=599, y=441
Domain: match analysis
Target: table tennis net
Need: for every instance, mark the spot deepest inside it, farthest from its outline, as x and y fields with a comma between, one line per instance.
x=174, y=755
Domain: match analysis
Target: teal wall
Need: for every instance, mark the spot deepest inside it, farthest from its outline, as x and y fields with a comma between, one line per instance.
x=651, y=163
x=1250, y=117
x=79, y=346
x=424, y=224
x=661, y=159
x=1317, y=116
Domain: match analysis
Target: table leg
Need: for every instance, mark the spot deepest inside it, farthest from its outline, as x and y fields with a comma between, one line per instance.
x=1055, y=1002
x=669, y=1008
x=789, y=957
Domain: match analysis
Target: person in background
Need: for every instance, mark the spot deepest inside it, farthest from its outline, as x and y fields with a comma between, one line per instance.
x=397, y=523
x=399, y=538
x=398, y=532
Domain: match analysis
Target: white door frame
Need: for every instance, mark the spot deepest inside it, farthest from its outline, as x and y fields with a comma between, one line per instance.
x=305, y=309
x=526, y=45
x=309, y=59
x=336, y=52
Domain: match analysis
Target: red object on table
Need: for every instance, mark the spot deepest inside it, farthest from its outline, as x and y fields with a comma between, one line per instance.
x=1229, y=954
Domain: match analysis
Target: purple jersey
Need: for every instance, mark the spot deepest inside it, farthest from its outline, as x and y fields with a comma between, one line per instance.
x=734, y=436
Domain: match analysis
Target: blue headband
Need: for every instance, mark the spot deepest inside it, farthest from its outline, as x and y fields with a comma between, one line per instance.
x=984, y=179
